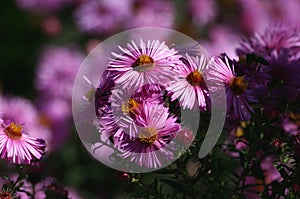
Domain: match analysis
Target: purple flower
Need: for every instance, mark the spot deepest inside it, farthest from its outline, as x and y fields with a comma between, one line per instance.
x=57, y=70
x=221, y=72
x=148, y=63
x=253, y=16
x=150, y=93
x=274, y=39
x=102, y=16
x=291, y=124
x=270, y=172
x=155, y=130
x=18, y=147
x=256, y=187
x=103, y=93
x=189, y=86
x=56, y=114
x=284, y=76
x=155, y=13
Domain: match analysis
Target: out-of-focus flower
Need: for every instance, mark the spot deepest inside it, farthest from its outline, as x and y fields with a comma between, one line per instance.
x=57, y=71
x=56, y=115
x=291, y=124
x=22, y=111
x=41, y=7
x=102, y=16
x=270, y=172
x=253, y=16
x=55, y=77
x=155, y=129
x=155, y=13
x=150, y=62
x=275, y=38
x=189, y=85
x=203, y=11
x=285, y=76
x=255, y=187
x=284, y=11
x=236, y=140
x=18, y=147
x=221, y=71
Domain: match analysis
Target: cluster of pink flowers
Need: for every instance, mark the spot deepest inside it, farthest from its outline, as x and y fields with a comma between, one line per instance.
x=139, y=86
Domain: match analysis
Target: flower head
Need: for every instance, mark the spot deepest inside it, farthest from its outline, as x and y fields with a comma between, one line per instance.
x=221, y=72
x=18, y=147
x=155, y=129
x=57, y=71
x=189, y=86
x=274, y=38
x=148, y=63
x=22, y=111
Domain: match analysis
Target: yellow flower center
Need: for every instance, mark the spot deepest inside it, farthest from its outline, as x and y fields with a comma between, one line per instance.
x=144, y=60
x=238, y=85
x=14, y=131
x=148, y=135
x=239, y=132
x=195, y=78
x=130, y=106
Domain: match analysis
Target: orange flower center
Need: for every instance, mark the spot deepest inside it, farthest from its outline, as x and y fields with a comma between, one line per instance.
x=130, y=106
x=238, y=85
x=195, y=78
x=148, y=135
x=144, y=60
x=6, y=195
x=13, y=131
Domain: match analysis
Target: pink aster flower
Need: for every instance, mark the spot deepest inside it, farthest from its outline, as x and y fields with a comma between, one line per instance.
x=150, y=62
x=155, y=130
x=189, y=86
x=122, y=113
x=221, y=72
x=22, y=111
x=18, y=147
